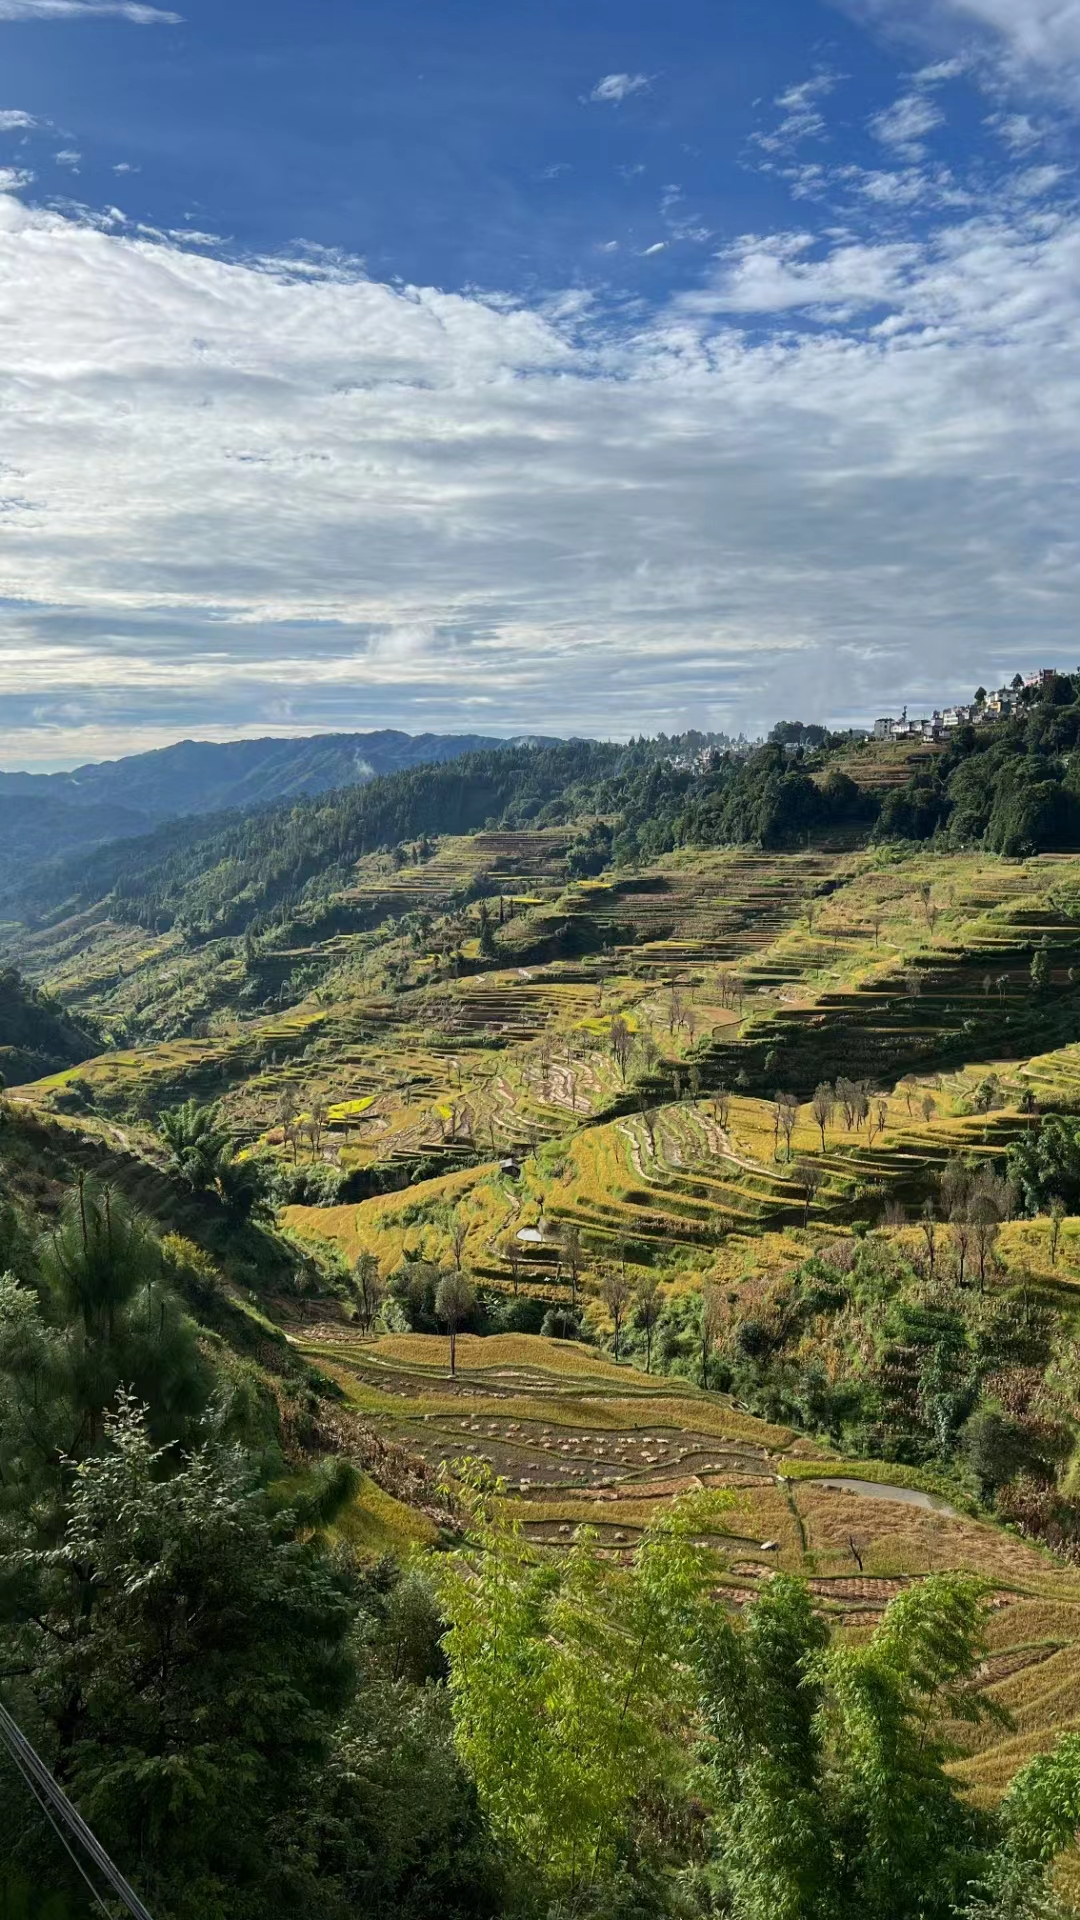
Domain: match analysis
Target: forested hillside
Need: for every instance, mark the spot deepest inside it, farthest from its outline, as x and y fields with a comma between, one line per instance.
x=43, y=815
x=1013, y=786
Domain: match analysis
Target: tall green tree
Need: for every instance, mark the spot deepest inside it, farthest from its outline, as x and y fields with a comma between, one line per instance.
x=569, y=1684
x=827, y=1760
x=184, y=1670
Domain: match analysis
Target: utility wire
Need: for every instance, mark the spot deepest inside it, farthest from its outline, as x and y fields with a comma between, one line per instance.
x=59, y=1809
x=63, y=1838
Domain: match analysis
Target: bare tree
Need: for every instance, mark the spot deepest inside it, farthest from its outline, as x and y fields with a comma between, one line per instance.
x=711, y=1325
x=512, y=1250
x=648, y=1306
x=847, y=1094
x=878, y=1118
x=722, y=1107
x=615, y=1292
x=454, y=1301
x=647, y=1116
x=929, y=1107
x=823, y=1106
x=789, y=1114
x=1057, y=1215
x=459, y=1231
x=810, y=1177
x=570, y=1237
x=621, y=1040
x=960, y=1235
x=928, y=1226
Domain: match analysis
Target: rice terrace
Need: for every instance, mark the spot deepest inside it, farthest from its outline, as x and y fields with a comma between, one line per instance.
x=674, y=1163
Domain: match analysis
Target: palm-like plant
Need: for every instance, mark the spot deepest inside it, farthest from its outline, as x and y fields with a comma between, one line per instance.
x=196, y=1141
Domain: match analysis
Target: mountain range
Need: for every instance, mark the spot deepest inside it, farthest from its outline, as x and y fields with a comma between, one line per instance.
x=45, y=814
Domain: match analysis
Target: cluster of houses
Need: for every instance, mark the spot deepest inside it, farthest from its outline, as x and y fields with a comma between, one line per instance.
x=991, y=706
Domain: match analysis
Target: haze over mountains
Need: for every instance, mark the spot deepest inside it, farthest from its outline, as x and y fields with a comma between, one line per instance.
x=45, y=814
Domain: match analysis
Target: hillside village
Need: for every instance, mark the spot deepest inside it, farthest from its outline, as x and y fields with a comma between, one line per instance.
x=985, y=707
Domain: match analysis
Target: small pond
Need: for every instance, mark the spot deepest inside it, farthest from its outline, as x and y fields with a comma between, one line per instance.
x=883, y=1490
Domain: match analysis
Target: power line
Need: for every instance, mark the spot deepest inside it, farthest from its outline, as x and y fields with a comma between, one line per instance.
x=65, y=1818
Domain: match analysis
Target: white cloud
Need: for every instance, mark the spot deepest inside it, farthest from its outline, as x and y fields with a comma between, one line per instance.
x=616, y=87
x=1043, y=31
x=13, y=120
x=802, y=116
x=1030, y=39
x=261, y=497
x=139, y=15
x=905, y=124
x=1017, y=131
x=13, y=178
x=68, y=158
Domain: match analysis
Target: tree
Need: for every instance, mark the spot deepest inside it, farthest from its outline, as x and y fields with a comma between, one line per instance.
x=105, y=1288
x=1045, y=1164
x=847, y=1095
x=960, y=1235
x=648, y=1306
x=188, y=1661
x=615, y=1292
x=810, y=1177
x=454, y=1301
x=710, y=1325
x=1040, y=967
x=928, y=1228
x=829, y=1794
x=242, y=1184
x=997, y=1447
x=788, y=1106
x=569, y=1685
x=570, y=1240
x=196, y=1139
x=459, y=1233
x=1057, y=1215
x=489, y=946
x=621, y=1040
x=822, y=1106
x=367, y=1289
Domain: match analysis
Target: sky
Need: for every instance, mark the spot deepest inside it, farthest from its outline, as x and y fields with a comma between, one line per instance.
x=573, y=367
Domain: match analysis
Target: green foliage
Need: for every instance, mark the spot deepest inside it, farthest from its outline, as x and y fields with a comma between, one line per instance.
x=196, y=1141
x=37, y=1034
x=825, y=1762
x=1045, y=1164
x=188, y=1661
x=568, y=1683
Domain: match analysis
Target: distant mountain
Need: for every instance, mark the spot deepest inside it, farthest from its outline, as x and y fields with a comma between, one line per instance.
x=36, y=828
x=49, y=815
x=203, y=776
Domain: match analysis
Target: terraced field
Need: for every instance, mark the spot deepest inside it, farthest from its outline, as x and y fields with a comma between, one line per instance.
x=583, y=1443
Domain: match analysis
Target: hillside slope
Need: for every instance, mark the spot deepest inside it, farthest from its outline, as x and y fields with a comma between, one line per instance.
x=45, y=815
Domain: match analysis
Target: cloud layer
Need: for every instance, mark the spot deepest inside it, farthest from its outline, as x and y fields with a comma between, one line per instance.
x=139, y=15
x=270, y=496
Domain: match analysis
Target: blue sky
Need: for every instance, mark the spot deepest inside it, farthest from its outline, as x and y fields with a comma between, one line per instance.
x=576, y=367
